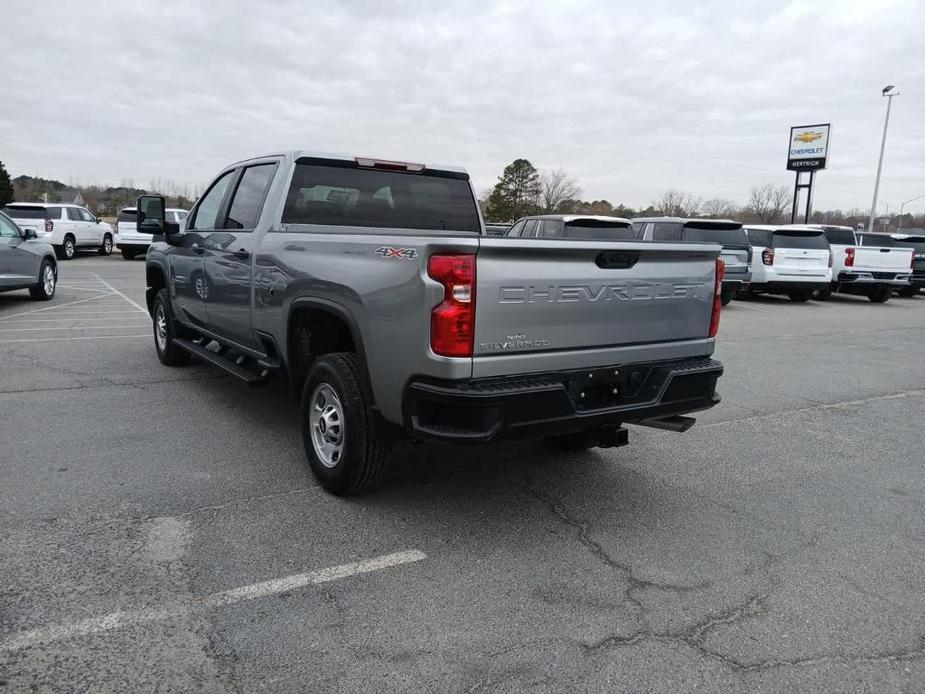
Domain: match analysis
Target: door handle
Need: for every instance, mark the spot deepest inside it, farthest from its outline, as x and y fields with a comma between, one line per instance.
x=241, y=254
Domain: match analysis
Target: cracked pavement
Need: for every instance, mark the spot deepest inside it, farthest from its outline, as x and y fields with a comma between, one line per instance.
x=776, y=547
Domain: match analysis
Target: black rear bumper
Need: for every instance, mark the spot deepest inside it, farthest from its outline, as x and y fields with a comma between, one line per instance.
x=553, y=403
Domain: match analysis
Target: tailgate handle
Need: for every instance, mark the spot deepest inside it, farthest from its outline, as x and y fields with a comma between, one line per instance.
x=616, y=260
x=884, y=250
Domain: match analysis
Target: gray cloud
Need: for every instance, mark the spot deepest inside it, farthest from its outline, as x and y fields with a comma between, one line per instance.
x=632, y=99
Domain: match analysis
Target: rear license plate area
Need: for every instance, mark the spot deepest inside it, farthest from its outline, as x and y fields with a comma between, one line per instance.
x=591, y=389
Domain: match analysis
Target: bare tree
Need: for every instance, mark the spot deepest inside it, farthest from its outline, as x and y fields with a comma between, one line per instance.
x=556, y=186
x=674, y=203
x=718, y=207
x=769, y=202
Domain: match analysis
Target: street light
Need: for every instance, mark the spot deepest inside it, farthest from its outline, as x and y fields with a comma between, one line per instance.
x=903, y=205
x=888, y=92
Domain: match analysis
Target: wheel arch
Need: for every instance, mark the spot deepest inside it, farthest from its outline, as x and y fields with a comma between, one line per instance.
x=314, y=310
x=156, y=279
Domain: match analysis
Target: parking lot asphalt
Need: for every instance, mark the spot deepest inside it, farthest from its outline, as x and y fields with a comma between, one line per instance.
x=160, y=530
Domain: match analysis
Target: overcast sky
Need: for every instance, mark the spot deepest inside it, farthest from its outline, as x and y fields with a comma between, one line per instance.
x=630, y=98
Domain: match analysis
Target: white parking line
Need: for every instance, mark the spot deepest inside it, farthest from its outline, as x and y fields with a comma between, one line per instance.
x=77, y=320
x=116, y=291
x=55, y=306
x=89, y=337
x=75, y=327
x=115, y=620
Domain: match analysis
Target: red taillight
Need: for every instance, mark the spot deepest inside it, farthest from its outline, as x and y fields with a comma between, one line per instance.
x=849, y=258
x=767, y=256
x=452, y=322
x=718, y=296
x=49, y=226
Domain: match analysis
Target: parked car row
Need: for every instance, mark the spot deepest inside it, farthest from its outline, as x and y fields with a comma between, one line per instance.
x=798, y=261
x=72, y=228
x=25, y=261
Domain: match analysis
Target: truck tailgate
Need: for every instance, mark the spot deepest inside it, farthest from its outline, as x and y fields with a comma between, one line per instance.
x=875, y=259
x=554, y=296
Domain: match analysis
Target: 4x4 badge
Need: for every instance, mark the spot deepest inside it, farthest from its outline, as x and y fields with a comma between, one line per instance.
x=400, y=253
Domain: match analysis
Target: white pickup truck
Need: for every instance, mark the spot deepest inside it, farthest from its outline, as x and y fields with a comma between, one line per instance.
x=871, y=271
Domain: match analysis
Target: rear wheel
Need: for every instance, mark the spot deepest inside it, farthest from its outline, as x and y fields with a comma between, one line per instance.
x=48, y=280
x=344, y=446
x=908, y=292
x=106, y=247
x=880, y=295
x=165, y=332
x=800, y=297
x=128, y=254
x=67, y=249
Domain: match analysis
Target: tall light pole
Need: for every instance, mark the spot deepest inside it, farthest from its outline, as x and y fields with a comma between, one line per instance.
x=903, y=206
x=888, y=92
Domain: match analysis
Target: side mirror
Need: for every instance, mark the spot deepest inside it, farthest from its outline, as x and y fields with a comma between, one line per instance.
x=151, y=216
x=29, y=234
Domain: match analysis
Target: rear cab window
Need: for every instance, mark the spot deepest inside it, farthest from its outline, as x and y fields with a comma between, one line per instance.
x=599, y=230
x=667, y=231
x=127, y=217
x=799, y=239
x=758, y=237
x=705, y=232
x=840, y=237
x=881, y=240
x=341, y=193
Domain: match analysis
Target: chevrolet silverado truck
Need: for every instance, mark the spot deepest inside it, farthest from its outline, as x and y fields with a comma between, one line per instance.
x=373, y=287
x=914, y=242
x=874, y=272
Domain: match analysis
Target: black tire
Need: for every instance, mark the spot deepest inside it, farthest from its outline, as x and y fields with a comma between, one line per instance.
x=128, y=254
x=726, y=297
x=576, y=441
x=823, y=294
x=800, y=297
x=68, y=248
x=880, y=295
x=908, y=292
x=359, y=463
x=45, y=290
x=167, y=350
x=106, y=247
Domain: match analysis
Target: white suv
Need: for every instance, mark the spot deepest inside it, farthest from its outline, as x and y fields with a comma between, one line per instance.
x=69, y=228
x=791, y=260
x=130, y=242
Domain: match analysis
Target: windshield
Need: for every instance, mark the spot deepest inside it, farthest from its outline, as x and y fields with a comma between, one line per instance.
x=344, y=195
x=724, y=236
x=26, y=212
x=800, y=239
x=599, y=230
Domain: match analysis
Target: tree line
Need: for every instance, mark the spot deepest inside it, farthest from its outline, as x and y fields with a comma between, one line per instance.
x=522, y=190
x=103, y=200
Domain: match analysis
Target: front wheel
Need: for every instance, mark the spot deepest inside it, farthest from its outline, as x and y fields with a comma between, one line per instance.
x=880, y=295
x=128, y=254
x=105, y=247
x=344, y=446
x=48, y=280
x=799, y=297
x=165, y=332
x=908, y=292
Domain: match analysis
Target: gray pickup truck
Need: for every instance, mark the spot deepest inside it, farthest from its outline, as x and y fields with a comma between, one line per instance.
x=372, y=285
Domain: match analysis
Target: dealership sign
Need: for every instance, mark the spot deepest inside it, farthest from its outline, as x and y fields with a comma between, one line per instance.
x=809, y=145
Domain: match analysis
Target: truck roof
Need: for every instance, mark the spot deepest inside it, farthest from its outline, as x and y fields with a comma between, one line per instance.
x=783, y=227
x=297, y=154
x=685, y=220
x=568, y=218
x=43, y=204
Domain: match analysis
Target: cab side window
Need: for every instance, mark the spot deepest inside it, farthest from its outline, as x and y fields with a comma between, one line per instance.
x=248, y=198
x=529, y=231
x=551, y=229
x=73, y=214
x=205, y=217
x=666, y=231
x=86, y=216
